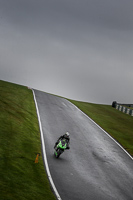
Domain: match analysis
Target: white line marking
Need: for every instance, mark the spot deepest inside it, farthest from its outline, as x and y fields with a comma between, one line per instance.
x=103, y=130
x=44, y=151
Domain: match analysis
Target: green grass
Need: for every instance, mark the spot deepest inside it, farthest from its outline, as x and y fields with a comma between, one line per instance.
x=20, y=177
x=119, y=125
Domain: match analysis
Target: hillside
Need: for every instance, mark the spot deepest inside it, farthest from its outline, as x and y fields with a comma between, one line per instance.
x=119, y=125
x=20, y=141
x=20, y=177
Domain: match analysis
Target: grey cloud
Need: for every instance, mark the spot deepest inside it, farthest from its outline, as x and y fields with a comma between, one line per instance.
x=77, y=49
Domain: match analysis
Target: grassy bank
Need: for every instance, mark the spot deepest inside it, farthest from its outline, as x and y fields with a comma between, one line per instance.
x=119, y=125
x=20, y=177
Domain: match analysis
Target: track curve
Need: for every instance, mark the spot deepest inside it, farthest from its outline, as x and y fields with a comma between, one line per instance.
x=95, y=167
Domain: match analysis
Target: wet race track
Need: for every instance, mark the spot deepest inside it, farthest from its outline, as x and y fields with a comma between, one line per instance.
x=95, y=167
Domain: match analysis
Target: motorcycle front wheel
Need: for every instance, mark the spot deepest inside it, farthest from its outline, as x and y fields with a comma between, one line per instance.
x=58, y=153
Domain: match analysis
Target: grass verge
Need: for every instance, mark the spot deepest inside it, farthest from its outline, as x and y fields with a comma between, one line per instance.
x=20, y=177
x=119, y=125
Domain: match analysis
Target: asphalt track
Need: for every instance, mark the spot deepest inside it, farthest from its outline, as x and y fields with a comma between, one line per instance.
x=95, y=167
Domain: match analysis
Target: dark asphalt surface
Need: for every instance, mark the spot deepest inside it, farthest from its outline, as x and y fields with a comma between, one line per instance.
x=95, y=167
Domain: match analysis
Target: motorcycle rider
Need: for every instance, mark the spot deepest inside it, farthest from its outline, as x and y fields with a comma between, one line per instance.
x=65, y=136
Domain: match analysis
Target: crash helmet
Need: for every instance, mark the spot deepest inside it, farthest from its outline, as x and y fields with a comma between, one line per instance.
x=67, y=135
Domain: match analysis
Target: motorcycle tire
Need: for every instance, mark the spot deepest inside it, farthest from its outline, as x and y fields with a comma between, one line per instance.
x=59, y=152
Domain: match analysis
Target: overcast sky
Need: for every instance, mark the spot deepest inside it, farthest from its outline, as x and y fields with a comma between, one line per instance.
x=79, y=49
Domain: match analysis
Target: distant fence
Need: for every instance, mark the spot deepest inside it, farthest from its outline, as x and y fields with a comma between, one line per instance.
x=125, y=108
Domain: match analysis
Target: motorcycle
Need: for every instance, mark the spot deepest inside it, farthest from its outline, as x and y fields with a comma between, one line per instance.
x=59, y=149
